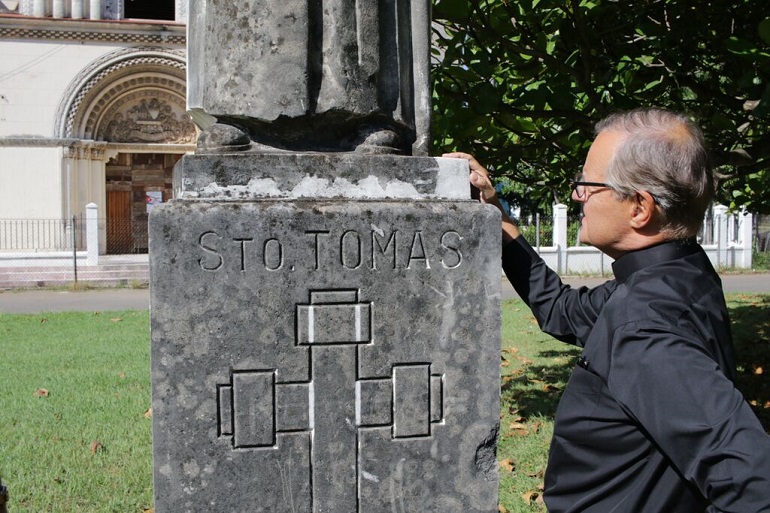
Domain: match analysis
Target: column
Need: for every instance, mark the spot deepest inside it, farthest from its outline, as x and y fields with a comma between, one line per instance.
x=96, y=10
x=560, y=235
x=58, y=8
x=77, y=9
x=746, y=239
x=720, y=226
x=38, y=9
x=92, y=234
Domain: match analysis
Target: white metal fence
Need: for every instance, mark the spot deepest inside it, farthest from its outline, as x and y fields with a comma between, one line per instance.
x=727, y=239
x=42, y=252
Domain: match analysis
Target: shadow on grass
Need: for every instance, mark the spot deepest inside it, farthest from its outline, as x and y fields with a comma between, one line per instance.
x=537, y=389
x=536, y=392
x=750, y=316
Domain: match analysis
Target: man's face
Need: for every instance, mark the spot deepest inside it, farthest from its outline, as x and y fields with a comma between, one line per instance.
x=605, y=223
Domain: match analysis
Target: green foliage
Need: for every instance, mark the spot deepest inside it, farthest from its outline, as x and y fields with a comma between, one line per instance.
x=546, y=233
x=545, y=237
x=760, y=260
x=521, y=84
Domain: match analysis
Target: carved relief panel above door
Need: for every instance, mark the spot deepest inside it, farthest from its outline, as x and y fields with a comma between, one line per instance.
x=140, y=117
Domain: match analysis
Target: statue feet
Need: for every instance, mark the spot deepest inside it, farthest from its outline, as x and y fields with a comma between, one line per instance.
x=221, y=138
x=367, y=139
x=378, y=142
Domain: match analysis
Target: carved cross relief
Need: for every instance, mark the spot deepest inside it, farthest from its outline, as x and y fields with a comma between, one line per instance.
x=256, y=407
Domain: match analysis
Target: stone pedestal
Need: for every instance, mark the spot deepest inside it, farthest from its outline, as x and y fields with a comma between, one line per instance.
x=325, y=354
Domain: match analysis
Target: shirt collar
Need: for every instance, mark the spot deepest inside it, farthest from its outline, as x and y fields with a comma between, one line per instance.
x=637, y=260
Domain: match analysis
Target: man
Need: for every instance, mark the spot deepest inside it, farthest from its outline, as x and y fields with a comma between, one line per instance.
x=650, y=420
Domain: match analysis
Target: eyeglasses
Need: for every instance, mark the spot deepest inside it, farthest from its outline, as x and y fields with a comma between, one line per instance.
x=579, y=186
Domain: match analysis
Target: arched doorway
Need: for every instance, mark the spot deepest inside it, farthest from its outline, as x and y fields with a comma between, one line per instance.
x=135, y=183
x=133, y=102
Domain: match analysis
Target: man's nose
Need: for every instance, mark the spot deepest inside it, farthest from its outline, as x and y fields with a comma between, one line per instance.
x=576, y=198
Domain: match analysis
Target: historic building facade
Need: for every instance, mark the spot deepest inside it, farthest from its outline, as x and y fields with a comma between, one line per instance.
x=92, y=110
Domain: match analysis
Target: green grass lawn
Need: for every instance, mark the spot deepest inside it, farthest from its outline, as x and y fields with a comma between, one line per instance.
x=75, y=434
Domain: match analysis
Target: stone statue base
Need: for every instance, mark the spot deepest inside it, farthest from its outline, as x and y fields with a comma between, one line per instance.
x=325, y=337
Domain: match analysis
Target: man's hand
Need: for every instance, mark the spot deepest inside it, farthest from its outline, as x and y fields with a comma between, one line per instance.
x=479, y=178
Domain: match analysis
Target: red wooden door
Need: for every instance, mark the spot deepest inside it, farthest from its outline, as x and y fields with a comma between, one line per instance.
x=119, y=222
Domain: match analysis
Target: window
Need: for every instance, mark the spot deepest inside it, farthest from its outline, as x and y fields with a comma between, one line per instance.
x=149, y=9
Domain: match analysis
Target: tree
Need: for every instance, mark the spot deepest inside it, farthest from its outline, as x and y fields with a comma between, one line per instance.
x=521, y=83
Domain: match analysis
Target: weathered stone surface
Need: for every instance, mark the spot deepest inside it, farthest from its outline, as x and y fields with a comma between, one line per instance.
x=325, y=356
x=334, y=76
x=248, y=176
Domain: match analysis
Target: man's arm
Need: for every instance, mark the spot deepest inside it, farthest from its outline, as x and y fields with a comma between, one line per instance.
x=565, y=313
x=693, y=412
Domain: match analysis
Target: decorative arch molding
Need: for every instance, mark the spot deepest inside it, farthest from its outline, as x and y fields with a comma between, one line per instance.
x=112, y=81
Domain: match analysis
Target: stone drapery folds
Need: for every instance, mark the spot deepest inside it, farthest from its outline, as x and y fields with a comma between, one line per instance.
x=325, y=75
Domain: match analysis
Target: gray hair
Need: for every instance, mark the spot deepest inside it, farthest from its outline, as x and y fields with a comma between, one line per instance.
x=663, y=153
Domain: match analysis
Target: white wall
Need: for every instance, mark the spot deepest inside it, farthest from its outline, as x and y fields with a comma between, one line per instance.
x=33, y=78
x=30, y=183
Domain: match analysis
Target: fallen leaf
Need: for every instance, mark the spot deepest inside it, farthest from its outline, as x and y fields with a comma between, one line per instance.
x=116, y=319
x=43, y=320
x=96, y=447
x=121, y=375
x=508, y=465
x=41, y=392
x=759, y=371
x=530, y=496
x=500, y=509
x=148, y=414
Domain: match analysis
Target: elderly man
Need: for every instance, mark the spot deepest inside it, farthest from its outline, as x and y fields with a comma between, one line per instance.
x=650, y=420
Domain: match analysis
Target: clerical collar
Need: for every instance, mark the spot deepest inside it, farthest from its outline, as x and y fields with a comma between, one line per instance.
x=634, y=261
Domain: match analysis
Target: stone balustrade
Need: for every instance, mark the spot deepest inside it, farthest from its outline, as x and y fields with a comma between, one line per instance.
x=75, y=9
x=87, y=9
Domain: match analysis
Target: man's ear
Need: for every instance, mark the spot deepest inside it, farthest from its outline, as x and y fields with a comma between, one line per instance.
x=643, y=210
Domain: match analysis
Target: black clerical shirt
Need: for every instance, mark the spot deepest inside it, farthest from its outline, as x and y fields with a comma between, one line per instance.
x=650, y=420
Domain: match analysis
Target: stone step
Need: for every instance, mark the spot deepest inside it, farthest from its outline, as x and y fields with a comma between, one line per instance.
x=103, y=275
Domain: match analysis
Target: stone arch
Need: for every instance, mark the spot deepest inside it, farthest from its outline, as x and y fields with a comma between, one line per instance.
x=132, y=95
